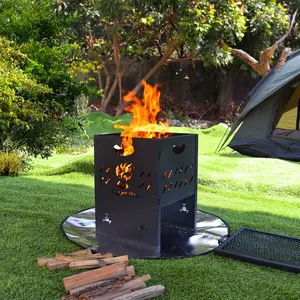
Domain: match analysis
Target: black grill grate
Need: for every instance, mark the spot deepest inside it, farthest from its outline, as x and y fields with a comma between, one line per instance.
x=263, y=248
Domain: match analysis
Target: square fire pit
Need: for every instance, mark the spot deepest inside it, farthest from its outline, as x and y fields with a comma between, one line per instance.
x=147, y=201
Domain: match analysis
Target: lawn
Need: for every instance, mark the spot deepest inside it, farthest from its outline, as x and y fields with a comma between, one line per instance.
x=245, y=192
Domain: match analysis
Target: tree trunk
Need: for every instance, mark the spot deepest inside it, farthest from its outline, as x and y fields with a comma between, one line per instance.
x=120, y=107
x=110, y=94
x=225, y=88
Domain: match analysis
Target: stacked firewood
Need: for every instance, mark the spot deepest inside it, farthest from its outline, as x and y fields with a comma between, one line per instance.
x=111, y=279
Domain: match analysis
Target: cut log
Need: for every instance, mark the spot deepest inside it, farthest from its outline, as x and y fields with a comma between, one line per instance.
x=71, y=258
x=113, y=260
x=87, y=264
x=147, y=293
x=82, y=252
x=42, y=261
x=100, y=285
x=57, y=264
x=114, y=271
x=86, y=286
x=115, y=290
x=130, y=272
x=145, y=277
x=70, y=297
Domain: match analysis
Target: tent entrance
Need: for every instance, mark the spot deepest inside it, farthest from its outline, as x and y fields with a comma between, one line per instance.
x=288, y=117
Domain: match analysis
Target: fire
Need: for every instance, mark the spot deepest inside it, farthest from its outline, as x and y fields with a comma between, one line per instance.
x=144, y=118
x=124, y=172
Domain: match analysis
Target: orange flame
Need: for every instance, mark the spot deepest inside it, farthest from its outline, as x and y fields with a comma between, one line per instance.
x=144, y=113
x=124, y=171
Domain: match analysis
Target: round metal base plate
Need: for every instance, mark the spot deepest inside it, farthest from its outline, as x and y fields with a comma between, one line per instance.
x=80, y=228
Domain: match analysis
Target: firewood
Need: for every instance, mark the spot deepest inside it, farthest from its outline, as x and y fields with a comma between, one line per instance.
x=115, y=290
x=56, y=264
x=42, y=261
x=147, y=293
x=114, y=271
x=130, y=272
x=145, y=277
x=117, y=259
x=82, y=252
x=71, y=258
x=89, y=288
x=87, y=264
x=86, y=286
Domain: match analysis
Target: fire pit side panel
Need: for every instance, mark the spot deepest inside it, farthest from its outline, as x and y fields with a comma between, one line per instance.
x=178, y=176
x=126, y=195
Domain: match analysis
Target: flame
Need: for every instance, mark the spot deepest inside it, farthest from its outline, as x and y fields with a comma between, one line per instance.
x=144, y=113
x=124, y=172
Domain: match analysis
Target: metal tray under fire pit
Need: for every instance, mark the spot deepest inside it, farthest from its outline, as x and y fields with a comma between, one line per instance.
x=80, y=228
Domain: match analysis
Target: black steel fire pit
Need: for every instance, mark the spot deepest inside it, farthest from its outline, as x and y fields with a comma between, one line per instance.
x=146, y=203
x=146, y=200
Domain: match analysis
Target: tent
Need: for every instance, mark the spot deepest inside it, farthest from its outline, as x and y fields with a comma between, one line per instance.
x=269, y=125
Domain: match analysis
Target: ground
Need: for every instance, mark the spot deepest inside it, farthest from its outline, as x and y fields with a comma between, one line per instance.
x=245, y=192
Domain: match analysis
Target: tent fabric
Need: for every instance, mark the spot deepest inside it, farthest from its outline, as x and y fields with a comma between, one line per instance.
x=289, y=115
x=267, y=126
x=275, y=80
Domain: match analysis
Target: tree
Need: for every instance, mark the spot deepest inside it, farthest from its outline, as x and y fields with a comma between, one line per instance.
x=40, y=34
x=172, y=30
x=266, y=23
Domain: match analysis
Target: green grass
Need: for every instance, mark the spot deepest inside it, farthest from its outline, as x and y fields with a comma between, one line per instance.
x=246, y=192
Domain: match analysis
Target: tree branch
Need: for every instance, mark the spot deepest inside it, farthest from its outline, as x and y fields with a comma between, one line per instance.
x=181, y=59
x=158, y=48
x=283, y=57
x=107, y=83
x=262, y=67
x=127, y=67
x=251, y=61
x=267, y=54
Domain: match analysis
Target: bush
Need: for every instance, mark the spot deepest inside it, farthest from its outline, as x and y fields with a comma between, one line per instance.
x=11, y=163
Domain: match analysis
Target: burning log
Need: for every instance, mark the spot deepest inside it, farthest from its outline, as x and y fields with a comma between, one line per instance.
x=147, y=293
x=117, y=270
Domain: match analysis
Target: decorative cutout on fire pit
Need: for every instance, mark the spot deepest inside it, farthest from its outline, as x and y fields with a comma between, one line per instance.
x=178, y=183
x=178, y=149
x=124, y=173
x=106, y=219
x=183, y=208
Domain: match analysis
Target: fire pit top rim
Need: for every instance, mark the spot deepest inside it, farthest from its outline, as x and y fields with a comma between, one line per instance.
x=172, y=135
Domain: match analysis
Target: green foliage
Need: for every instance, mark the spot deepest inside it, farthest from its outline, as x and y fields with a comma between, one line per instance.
x=170, y=115
x=11, y=163
x=25, y=20
x=181, y=116
x=266, y=22
x=31, y=120
x=21, y=96
x=101, y=123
